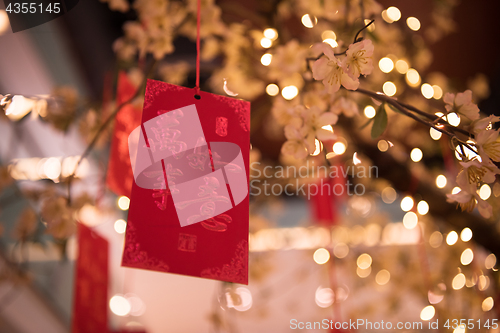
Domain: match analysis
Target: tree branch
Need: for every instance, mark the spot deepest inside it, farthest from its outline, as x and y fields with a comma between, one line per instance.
x=403, y=110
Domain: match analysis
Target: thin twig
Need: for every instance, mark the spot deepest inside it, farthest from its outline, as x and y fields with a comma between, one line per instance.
x=106, y=123
x=435, y=119
x=345, y=51
x=366, y=26
x=397, y=105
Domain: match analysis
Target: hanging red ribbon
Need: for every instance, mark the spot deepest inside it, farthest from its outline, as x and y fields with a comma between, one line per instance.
x=197, y=89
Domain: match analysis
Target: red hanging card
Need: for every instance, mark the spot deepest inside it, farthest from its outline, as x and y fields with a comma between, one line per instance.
x=119, y=177
x=90, y=305
x=189, y=205
x=323, y=204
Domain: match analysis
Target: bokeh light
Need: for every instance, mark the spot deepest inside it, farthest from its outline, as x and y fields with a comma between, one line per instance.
x=386, y=17
x=272, y=89
x=452, y=238
x=394, y=13
x=363, y=272
x=412, y=77
x=490, y=261
x=435, y=134
x=266, y=42
x=389, y=195
x=370, y=111
x=422, y=207
x=119, y=305
x=339, y=148
x=441, y=181
x=289, y=92
x=407, y=204
x=328, y=34
x=466, y=235
x=402, y=66
x=383, y=277
x=309, y=21
x=427, y=90
x=123, y=202
x=389, y=88
x=453, y=119
x=436, y=239
x=383, y=145
x=386, y=65
x=438, y=92
x=410, y=220
x=341, y=250
x=324, y=297
x=364, y=261
x=318, y=147
x=266, y=59
x=416, y=155
x=271, y=33
x=413, y=23
x=427, y=313
x=321, y=256
x=458, y=281
x=120, y=226
x=485, y=192
x=466, y=257
x=332, y=42
x=487, y=304
x=52, y=168
x=4, y=21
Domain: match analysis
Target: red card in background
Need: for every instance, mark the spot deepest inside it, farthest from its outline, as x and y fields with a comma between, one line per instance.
x=323, y=204
x=90, y=304
x=196, y=149
x=119, y=177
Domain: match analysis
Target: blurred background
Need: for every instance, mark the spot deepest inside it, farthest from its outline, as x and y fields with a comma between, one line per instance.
x=363, y=262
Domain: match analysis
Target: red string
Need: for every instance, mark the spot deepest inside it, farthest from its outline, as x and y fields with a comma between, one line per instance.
x=197, y=89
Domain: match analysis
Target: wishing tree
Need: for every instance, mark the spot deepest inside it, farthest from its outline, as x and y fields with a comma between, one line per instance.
x=334, y=85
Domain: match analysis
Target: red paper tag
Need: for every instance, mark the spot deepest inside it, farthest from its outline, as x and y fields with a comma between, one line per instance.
x=90, y=305
x=189, y=205
x=119, y=177
x=323, y=203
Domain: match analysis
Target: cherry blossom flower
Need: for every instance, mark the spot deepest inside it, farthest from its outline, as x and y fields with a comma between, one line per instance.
x=359, y=59
x=489, y=145
x=160, y=45
x=288, y=59
x=124, y=49
x=477, y=172
x=314, y=120
x=330, y=70
x=295, y=144
x=346, y=106
x=284, y=111
x=468, y=196
x=482, y=124
x=148, y=8
x=461, y=103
